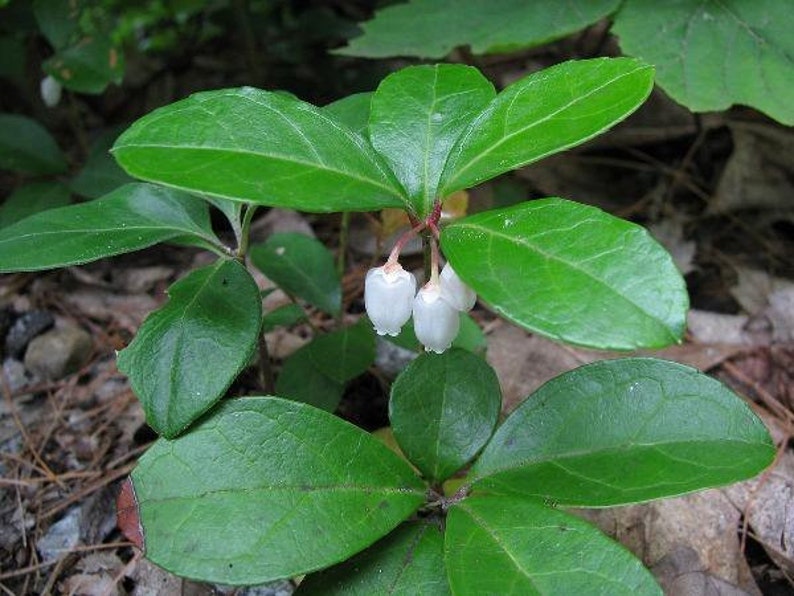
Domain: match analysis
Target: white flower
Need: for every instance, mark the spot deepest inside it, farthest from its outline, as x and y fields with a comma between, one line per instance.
x=454, y=291
x=436, y=322
x=50, y=91
x=388, y=295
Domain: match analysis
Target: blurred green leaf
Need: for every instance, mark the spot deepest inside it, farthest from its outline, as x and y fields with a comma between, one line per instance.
x=407, y=562
x=26, y=146
x=130, y=218
x=286, y=315
x=281, y=151
x=226, y=501
x=417, y=115
x=514, y=545
x=57, y=20
x=433, y=28
x=712, y=54
x=32, y=198
x=572, y=273
x=443, y=409
x=344, y=354
x=301, y=266
x=88, y=66
x=624, y=431
x=100, y=174
x=187, y=353
x=302, y=381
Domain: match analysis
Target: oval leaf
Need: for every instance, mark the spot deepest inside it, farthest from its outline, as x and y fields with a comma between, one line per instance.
x=187, y=353
x=571, y=272
x=88, y=66
x=302, y=381
x=352, y=111
x=624, y=431
x=711, y=54
x=407, y=562
x=301, y=266
x=130, y=218
x=443, y=409
x=544, y=113
x=26, y=146
x=344, y=354
x=509, y=545
x=257, y=146
x=417, y=115
x=433, y=28
x=265, y=489
x=100, y=174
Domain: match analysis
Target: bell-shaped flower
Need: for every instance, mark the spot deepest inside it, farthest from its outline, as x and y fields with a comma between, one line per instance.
x=436, y=322
x=388, y=296
x=454, y=291
x=50, y=91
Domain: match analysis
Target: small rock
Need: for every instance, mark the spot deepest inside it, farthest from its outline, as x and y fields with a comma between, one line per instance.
x=278, y=588
x=15, y=374
x=391, y=359
x=58, y=353
x=24, y=329
x=62, y=536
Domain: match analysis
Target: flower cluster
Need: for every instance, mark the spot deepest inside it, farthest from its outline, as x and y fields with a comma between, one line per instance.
x=390, y=298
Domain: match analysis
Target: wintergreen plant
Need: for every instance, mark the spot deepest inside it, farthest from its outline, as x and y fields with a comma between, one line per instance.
x=246, y=490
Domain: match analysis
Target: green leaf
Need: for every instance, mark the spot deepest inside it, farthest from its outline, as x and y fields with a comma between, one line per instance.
x=624, y=431
x=57, y=20
x=712, y=54
x=251, y=145
x=286, y=315
x=33, y=198
x=352, y=111
x=433, y=28
x=100, y=174
x=26, y=146
x=545, y=113
x=407, y=562
x=302, y=266
x=344, y=354
x=89, y=66
x=511, y=545
x=443, y=409
x=187, y=353
x=571, y=272
x=417, y=115
x=302, y=381
x=130, y=218
x=265, y=489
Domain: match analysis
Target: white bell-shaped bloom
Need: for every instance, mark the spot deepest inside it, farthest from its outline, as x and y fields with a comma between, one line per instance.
x=454, y=291
x=388, y=296
x=50, y=91
x=436, y=322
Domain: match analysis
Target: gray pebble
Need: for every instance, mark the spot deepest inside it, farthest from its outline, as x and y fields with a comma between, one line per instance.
x=58, y=353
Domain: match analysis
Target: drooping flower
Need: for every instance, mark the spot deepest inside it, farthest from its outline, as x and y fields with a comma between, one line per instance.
x=454, y=291
x=388, y=296
x=436, y=321
x=50, y=91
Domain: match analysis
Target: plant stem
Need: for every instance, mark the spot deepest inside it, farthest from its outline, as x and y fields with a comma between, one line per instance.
x=243, y=240
x=428, y=254
x=265, y=367
x=344, y=228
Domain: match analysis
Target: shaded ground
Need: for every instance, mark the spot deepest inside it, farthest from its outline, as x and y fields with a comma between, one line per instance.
x=716, y=190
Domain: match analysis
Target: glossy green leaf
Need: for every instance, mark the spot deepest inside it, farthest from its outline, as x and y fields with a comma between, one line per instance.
x=33, y=198
x=352, y=111
x=344, y=354
x=301, y=380
x=443, y=409
x=545, y=113
x=187, y=353
x=571, y=272
x=714, y=53
x=624, y=431
x=407, y=562
x=100, y=174
x=512, y=545
x=286, y=315
x=252, y=145
x=88, y=66
x=130, y=218
x=302, y=266
x=266, y=488
x=433, y=28
x=417, y=115
x=26, y=146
